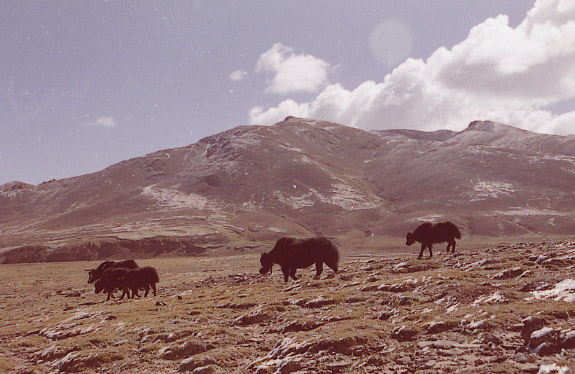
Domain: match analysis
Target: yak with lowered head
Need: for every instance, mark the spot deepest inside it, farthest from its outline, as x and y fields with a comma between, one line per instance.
x=95, y=274
x=430, y=233
x=110, y=280
x=292, y=254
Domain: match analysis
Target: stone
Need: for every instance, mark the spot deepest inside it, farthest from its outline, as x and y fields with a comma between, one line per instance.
x=403, y=333
x=192, y=363
x=531, y=324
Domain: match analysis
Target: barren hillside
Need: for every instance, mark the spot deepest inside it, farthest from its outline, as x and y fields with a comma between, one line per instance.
x=253, y=184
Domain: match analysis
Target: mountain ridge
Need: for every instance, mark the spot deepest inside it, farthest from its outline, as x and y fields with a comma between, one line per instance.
x=305, y=177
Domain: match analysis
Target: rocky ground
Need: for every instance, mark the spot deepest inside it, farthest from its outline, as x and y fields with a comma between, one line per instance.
x=507, y=309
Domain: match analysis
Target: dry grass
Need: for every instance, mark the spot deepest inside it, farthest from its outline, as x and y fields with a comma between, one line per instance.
x=375, y=315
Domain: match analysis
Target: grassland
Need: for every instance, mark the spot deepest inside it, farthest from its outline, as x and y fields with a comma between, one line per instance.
x=488, y=310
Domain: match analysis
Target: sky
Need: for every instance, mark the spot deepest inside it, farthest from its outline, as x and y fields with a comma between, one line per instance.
x=86, y=84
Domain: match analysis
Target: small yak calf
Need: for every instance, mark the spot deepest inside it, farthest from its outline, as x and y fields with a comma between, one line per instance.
x=292, y=254
x=430, y=233
x=94, y=274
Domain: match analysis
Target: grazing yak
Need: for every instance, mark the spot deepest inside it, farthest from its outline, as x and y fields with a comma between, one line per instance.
x=94, y=274
x=430, y=233
x=292, y=254
x=127, y=279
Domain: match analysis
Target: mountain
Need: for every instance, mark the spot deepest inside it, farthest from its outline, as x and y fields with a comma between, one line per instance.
x=303, y=177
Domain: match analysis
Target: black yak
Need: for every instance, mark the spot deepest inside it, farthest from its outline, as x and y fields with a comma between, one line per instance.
x=292, y=254
x=110, y=280
x=94, y=274
x=145, y=278
x=430, y=233
x=127, y=279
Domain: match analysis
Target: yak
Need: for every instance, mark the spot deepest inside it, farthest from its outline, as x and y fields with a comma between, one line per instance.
x=110, y=280
x=145, y=278
x=292, y=254
x=430, y=233
x=94, y=274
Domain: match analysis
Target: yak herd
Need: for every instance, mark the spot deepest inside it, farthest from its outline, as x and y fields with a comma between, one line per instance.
x=290, y=253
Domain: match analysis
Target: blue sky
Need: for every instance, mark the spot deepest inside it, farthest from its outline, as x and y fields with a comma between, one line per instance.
x=85, y=84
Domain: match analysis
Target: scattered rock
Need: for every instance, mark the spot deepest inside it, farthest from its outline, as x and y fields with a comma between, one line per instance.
x=404, y=333
x=320, y=301
x=301, y=326
x=436, y=327
x=545, y=341
x=257, y=315
x=192, y=363
x=177, y=352
x=509, y=273
x=531, y=324
x=209, y=369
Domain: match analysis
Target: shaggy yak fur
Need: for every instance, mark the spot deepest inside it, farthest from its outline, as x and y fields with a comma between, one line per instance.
x=292, y=254
x=430, y=233
x=127, y=279
x=110, y=280
x=94, y=274
x=145, y=278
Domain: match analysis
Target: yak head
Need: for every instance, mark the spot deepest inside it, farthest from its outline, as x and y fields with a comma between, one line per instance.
x=93, y=274
x=98, y=286
x=267, y=263
x=409, y=239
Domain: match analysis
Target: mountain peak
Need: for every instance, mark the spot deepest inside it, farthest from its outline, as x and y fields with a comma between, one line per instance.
x=493, y=127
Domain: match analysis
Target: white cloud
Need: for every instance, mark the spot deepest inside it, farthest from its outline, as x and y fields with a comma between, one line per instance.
x=238, y=75
x=103, y=122
x=292, y=73
x=499, y=73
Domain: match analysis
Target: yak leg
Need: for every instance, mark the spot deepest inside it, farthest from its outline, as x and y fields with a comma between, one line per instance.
x=126, y=292
x=285, y=270
x=147, y=290
x=318, y=269
x=430, y=246
x=154, y=288
x=135, y=292
x=423, y=246
x=292, y=274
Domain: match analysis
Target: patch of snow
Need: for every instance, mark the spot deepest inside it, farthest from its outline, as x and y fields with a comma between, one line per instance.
x=348, y=198
x=342, y=195
x=432, y=218
x=553, y=369
x=493, y=190
x=275, y=229
x=497, y=297
x=563, y=291
x=518, y=211
x=174, y=199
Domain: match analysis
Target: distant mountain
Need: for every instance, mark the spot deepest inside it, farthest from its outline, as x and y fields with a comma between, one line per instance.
x=304, y=177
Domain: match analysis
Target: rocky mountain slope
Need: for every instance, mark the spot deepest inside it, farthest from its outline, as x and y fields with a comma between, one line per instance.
x=305, y=177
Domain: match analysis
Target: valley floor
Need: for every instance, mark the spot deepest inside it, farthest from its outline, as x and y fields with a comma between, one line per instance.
x=505, y=309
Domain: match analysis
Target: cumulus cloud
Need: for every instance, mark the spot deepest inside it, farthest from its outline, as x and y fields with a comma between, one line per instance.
x=238, y=75
x=500, y=73
x=292, y=72
x=103, y=122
